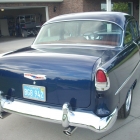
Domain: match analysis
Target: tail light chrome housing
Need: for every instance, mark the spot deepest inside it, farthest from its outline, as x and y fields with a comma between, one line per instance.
x=102, y=82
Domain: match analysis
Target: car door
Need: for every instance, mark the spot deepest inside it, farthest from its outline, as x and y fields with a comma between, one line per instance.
x=128, y=61
x=135, y=30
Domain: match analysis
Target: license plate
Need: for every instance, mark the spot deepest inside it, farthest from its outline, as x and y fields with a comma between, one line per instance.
x=34, y=92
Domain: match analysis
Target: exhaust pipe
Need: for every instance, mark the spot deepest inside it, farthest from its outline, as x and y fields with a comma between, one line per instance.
x=69, y=130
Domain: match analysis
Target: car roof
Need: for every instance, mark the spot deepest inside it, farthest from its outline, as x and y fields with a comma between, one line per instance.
x=116, y=17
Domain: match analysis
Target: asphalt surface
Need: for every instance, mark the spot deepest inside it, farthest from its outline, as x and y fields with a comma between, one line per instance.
x=16, y=127
x=13, y=43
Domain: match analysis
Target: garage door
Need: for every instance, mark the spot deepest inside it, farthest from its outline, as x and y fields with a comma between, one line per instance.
x=8, y=16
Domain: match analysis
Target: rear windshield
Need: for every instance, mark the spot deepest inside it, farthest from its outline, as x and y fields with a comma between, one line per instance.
x=80, y=32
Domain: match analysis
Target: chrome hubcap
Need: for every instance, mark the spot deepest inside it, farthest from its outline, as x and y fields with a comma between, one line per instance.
x=128, y=100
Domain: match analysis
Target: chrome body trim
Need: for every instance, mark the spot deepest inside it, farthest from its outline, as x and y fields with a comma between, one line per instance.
x=50, y=22
x=81, y=45
x=137, y=46
x=84, y=119
x=127, y=79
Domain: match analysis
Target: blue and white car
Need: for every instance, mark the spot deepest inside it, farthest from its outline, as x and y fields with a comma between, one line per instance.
x=80, y=71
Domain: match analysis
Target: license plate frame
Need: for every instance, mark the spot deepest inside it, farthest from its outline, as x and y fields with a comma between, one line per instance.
x=34, y=92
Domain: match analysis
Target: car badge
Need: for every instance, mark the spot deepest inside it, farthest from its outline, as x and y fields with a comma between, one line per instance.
x=35, y=76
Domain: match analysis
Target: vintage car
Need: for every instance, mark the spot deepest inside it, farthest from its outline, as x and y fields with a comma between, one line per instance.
x=80, y=71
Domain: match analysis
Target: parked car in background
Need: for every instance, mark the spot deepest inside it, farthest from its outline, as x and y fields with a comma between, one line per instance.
x=80, y=71
x=26, y=25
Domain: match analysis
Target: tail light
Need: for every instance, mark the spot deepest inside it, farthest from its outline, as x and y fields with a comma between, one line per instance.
x=100, y=76
x=102, y=82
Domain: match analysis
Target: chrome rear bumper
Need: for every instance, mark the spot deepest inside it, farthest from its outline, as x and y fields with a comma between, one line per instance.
x=64, y=116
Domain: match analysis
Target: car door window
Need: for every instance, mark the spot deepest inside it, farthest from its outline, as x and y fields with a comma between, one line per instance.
x=135, y=29
x=128, y=38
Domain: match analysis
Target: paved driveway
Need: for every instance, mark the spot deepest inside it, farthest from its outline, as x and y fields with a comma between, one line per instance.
x=16, y=127
x=13, y=43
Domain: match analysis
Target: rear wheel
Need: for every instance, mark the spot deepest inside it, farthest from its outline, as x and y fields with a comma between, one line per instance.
x=125, y=109
x=24, y=33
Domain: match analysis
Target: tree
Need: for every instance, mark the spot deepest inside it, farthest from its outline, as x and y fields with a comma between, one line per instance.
x=121, y=7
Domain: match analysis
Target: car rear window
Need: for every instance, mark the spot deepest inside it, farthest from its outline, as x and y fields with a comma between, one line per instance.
x=80, y=32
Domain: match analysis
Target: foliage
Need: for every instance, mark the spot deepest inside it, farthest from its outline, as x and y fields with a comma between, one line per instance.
x=121, y=7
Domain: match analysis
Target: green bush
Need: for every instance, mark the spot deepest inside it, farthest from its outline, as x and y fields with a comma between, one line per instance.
x=120, y=7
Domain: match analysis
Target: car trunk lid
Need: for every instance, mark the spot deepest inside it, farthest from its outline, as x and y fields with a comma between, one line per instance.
x=68, y=76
